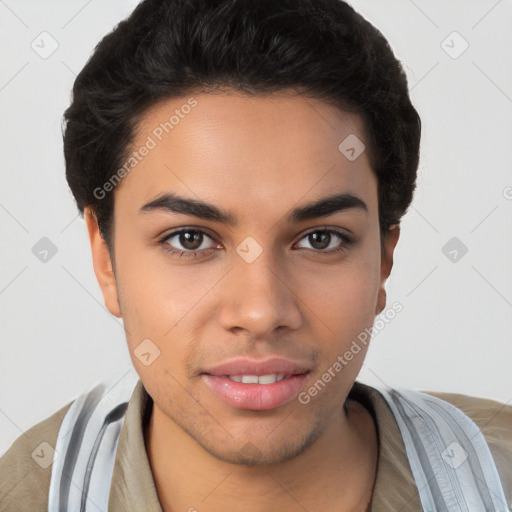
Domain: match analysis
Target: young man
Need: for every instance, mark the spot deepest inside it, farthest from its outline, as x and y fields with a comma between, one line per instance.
x=243, y=167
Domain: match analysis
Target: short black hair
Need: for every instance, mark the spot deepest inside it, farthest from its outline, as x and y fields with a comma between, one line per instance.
x=323, y=49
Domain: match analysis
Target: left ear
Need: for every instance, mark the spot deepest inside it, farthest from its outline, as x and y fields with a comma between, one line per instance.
x=388, y=248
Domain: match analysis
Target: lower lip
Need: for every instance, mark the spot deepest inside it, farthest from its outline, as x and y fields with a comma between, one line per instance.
x=256, y=397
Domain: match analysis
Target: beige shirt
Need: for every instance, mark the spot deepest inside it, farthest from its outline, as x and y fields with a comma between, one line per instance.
x=24, y=484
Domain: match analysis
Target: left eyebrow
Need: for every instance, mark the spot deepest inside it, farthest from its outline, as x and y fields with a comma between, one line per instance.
x=327, y=206
x=323, y=207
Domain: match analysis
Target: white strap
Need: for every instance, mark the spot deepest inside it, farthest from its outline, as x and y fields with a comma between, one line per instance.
x=86, y=447
x=452, y=465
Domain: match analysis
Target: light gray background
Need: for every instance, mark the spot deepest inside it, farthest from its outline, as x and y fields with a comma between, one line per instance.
x=57, y=339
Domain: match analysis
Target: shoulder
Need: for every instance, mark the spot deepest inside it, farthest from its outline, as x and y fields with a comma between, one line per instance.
x=25, y=469
x=495, y=422
x=492, y=417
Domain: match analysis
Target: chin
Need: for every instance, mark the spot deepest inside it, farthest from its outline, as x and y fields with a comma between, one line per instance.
x=262, y=452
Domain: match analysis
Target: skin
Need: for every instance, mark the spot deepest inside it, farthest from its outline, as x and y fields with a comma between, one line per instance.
x=257, y=157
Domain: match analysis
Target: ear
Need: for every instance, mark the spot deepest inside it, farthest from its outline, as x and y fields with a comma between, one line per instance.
x=102, y=264
x=388, y=248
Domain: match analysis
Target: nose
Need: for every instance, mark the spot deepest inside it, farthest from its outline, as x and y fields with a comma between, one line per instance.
x=258, y=297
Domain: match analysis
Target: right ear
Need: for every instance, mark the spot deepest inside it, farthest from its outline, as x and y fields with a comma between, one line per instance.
x=102, y=263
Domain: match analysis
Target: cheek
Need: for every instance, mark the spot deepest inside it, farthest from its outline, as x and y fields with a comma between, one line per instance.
x=155, y=307
x=165, y=303
x=343, y=296
x=154, y=294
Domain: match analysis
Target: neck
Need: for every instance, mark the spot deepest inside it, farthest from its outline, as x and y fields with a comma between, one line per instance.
x=335, y=473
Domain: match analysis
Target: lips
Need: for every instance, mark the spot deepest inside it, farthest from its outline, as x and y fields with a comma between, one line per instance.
x=257, y=385
x=275, y=365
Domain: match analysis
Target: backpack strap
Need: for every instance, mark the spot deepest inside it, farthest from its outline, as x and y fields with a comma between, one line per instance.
x=452, y=465
x=86, y=447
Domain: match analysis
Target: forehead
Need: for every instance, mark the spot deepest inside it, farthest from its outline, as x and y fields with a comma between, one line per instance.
x=249, y=151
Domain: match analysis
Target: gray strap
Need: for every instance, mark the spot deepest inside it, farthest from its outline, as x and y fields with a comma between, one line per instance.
x=86, y=447
x=452, y=465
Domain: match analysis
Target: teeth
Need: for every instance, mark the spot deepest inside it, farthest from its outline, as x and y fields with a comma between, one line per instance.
x=255, y=379
x=267, y=379
x=250, y=379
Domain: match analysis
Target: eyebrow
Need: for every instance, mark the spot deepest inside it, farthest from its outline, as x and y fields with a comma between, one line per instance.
x=171, y=202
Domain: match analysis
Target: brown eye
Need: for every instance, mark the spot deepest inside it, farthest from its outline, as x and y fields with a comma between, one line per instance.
x=319, y=239
x=187, y=241
x=326, y=240
x=191, y=240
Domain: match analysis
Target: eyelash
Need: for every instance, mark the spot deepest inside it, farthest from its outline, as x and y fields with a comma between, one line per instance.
x=346, y=242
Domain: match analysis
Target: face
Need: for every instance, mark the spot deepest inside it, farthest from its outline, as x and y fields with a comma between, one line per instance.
x=255, y=276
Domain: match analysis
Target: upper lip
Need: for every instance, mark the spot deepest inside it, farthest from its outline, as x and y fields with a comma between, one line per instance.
x=245, y=366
